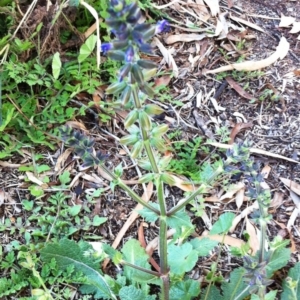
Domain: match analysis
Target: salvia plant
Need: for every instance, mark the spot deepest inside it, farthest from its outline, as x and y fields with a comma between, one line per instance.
x=179, y=256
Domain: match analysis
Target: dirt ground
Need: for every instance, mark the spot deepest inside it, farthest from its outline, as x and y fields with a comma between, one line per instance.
x=270, y=125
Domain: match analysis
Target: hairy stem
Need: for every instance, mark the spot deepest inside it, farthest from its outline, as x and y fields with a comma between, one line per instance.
x=125, y=263
x=126, y=188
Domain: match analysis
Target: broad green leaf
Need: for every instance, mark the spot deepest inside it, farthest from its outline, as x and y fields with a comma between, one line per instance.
x=87, y=48
x=182, y=258
x=224, y=223
x=235, y=286
x=212, y=294
x=203, y=246
x=68, y=252
x=135, y=254
x=269, y=296
x=56, y=65
x=74, y=210
x=278, y=260
x=291, y=285
x=64, y=178
x=187, y=289
x=130, y=293
x=180, y=219
x=97, y=221
x=148, y=214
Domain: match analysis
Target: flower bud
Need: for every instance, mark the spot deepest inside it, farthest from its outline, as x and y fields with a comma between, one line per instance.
x=147, y=178
x=138, y=74
x=137, y=149
x=145, y=164
x=119, y=45
x=126, y=94
x=145, y=121
x=134, y=13
x=147, y=30
x=167, y=178
x=149, y=74
x=116, y=87
x=124, y=71
x=146, y=64
x=160, y=130
x=153, y=109
x=158, y=143
x=130, y=139
x=116, y=55
x=131, y=118
x=146, y=89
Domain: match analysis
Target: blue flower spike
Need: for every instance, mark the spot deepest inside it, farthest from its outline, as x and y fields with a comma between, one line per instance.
x=162, y=26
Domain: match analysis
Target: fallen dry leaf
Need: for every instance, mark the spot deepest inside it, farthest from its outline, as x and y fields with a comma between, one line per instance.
x=230, y=3
x=2, y=194
x=286, y=21
x=295, y=28
x=266, y=171
x=228, y=240
x=167, y=56
x=239, y=197
x=253, y=238
x=213, y=6
x=232, y=190
x=239, y=89
x=201, y=11
x=183, y=184
x=171, y=39
x=281, y=51
x=254, y=150
x=236, y=129
x=277, y=199
x=295, y=187
x=292, y=219
x=35, y=180
x=296, y=199
x=248, y=210
x=247, y=23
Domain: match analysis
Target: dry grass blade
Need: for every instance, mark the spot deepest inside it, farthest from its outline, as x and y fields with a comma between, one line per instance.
x=254, y=150
x=295, y=187
x=247, y=23
x=213, y=6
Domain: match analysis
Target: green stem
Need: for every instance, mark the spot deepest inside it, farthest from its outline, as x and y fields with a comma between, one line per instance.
x=182, y=203
x=131, y=193
x=125, y=263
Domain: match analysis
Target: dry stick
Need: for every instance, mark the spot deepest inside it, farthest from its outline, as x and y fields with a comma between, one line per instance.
x=130, y=220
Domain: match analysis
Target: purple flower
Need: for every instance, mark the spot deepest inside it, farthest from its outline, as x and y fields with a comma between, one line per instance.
x=162, y=26
x=106, y=47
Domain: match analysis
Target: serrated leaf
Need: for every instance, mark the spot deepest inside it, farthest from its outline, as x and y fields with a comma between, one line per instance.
x=213, y=294
x=278, y=260
x=56, y=65
x=135, y=254
x=87, y=48
x=131, y=292
x=187, y=289
x=269, y=296
x=67, y=252
x=235, y=286
x=182, y=258
x=291, y=285
x=180, y=219
x=223, y=224
x=74, y=210
x=148, y=214
x=203, y=246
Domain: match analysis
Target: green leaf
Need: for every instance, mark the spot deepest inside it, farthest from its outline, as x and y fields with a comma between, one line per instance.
x=224, y=223
x=213, y=294
x=97, y=221
x=203, y=246
x=130, y=293
x=180, y=219
x=187, y=289
x=148, y=214
x=235, y=286
x=87, y=48
x=7, y=112
x=278, y=260
x=182, y=258
x=135, y=254
x=269, y=296
x=291, y=285
x=56, y=65
x=36, y=190
x=68, y=252
x=28, y=205
x=64, y=178
x=74, y=210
